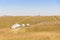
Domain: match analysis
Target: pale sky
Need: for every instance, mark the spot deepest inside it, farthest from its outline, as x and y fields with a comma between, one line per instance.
x=29, y=7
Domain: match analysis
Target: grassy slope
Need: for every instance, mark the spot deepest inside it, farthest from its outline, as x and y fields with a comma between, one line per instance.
x=34, y=32
x=8, y=21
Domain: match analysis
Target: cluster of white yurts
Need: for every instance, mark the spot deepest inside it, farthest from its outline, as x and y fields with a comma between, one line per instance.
x=16, y=25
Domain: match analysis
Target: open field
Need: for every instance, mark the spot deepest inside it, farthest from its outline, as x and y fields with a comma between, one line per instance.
x=41, y=28
x=31, y=36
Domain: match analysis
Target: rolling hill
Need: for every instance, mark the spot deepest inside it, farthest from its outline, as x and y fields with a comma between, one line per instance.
x=41, y=28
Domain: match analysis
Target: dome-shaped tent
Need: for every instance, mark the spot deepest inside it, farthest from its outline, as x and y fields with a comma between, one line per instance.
x=16, y=25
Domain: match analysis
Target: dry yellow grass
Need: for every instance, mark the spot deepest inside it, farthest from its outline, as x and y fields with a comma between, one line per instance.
x=7, y=35
x=35, y=32
x=23, y=34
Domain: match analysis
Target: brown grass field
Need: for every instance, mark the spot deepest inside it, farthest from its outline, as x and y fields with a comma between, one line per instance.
x=41, y=28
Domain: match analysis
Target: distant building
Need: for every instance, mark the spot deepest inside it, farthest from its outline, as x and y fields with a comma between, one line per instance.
x=15, y=26
x=23, y=25
x=27, y=25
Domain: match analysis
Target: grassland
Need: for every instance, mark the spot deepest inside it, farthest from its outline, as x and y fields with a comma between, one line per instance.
x=41, y=28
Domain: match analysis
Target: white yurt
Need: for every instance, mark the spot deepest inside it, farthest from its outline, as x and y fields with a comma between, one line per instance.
x=16, y=25
x=23, y=25
x=27, y=25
